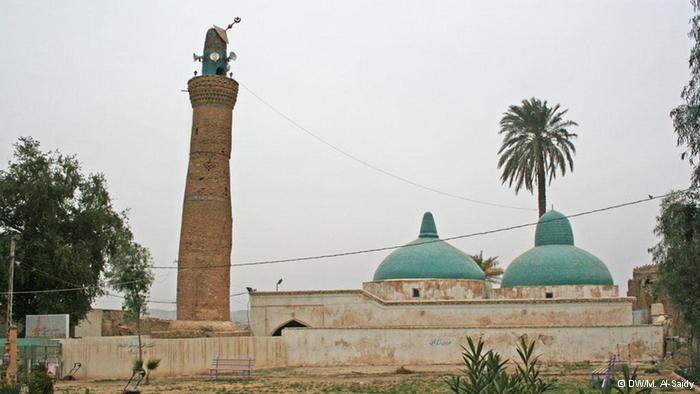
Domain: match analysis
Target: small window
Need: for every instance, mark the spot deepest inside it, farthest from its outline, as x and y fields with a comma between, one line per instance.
x=549, y=294
x=416, y=293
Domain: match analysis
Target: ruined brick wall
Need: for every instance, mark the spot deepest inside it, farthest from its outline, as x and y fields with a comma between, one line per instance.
x=206, y=232
x=110, y=322
x=641, y=286
x=114, y=324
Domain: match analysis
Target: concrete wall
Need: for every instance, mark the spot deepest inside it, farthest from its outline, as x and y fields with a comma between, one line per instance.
x=357, y=308
x=569, y=291
x=91, y=326
x=113, y=357
x=417, y=346
x=433, y=289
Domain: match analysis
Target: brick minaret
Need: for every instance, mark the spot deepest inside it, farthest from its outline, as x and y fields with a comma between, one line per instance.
x=206, y=233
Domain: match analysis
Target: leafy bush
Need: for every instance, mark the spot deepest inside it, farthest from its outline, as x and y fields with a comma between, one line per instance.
x=689, y=374
x=486, y=371
x=5, y=389
x=40, y=382
x=151, y=365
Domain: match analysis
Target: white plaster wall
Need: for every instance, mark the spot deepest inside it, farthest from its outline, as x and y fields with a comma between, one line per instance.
x=569, y=291
x=356, y=308
x=113, y=357
x=429, y=289
x=328, y=347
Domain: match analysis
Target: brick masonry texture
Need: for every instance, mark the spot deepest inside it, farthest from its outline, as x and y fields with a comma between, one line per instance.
x=206, y=232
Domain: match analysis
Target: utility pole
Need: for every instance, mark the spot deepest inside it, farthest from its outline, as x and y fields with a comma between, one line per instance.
x=11, y=339
x=10, y=282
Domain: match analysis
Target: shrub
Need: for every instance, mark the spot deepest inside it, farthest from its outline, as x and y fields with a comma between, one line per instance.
x=486, y=371
x=40, y=382
x=151, y=365
x=5, y=389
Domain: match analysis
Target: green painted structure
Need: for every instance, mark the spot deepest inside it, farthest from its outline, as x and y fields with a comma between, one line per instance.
x=428, y=257
x=214, y=58
x=555, y=260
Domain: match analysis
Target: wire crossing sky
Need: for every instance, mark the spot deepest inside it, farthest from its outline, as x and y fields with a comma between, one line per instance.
x=372, y=166
x=479, y=233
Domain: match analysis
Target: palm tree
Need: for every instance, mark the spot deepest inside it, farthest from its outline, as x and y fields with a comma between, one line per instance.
x=536, y=144
x=489, y=266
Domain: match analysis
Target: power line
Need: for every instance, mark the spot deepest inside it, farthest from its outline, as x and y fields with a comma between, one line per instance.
x=58, y=290
x=148, y=301
x=470, y=235
x=363, y=251
x=172, y=302
x=372, y=166
x=78, y=287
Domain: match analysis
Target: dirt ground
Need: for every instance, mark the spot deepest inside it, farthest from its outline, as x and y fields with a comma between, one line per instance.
x=341, y=380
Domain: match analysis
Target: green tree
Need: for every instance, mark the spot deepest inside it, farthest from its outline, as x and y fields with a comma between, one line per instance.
x=490, y=267
x=678, y=224
x=686, y=117
x=66, y=230
x=678, y=257
x=131, y=273
x=537, y=142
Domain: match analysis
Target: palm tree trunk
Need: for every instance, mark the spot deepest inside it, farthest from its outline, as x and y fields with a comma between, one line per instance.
x=541, y=187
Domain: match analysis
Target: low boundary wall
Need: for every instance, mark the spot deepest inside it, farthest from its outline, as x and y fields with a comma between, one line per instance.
x=421, y=346
x=113, y=357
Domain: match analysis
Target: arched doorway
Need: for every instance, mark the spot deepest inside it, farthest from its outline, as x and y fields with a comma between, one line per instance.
x=291, y=323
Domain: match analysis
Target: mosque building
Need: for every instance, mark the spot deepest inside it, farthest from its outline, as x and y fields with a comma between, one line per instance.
x=429, y=294
x=421, y=303
x=424, y=295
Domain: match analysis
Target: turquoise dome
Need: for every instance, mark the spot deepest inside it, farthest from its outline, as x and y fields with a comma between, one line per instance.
x=555, y=260
x=428, y=257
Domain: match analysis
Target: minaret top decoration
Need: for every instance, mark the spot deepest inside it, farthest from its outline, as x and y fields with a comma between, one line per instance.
x=214, y=58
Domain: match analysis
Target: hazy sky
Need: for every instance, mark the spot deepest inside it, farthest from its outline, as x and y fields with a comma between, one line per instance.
x=416, y=88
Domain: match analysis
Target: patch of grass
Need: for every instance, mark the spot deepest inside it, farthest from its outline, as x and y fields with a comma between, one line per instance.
x=573, y=385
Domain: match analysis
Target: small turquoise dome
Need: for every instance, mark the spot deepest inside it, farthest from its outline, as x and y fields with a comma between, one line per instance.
x=555, y=260
x=428, y=257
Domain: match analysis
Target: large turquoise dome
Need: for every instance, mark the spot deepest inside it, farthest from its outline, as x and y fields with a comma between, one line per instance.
x=555, y=260
x=428, y=257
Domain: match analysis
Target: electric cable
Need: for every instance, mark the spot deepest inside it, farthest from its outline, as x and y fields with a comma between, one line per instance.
x=372, y=166
x=470, y=235
x=363, y=251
